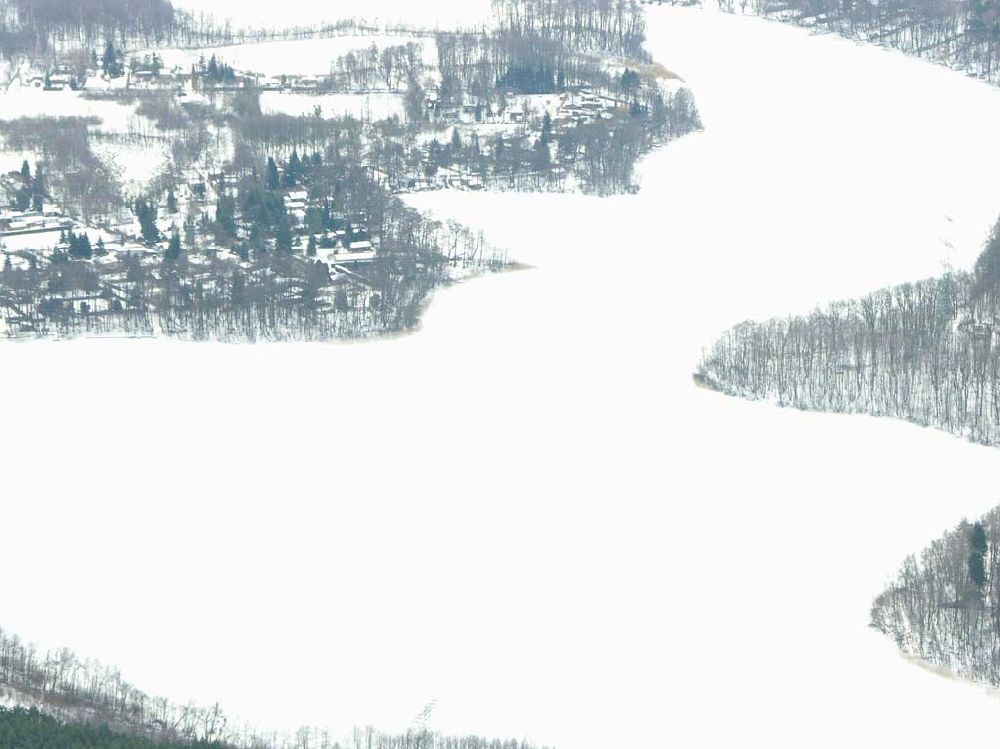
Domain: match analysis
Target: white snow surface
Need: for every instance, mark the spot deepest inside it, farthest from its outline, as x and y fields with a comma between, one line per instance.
x=24, y=101
x=290, y=57
x=445, y=14
x=369, y=107
x=526, y=509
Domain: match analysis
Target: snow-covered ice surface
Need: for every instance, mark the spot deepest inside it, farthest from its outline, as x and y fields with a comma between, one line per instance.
x=526, y=509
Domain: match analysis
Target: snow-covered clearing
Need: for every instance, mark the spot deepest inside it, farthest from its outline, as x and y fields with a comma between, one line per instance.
x=445, y=14
x=27, y=101
x=291, y=57
x=134, y=164
x=367, y=107
x=526, y=509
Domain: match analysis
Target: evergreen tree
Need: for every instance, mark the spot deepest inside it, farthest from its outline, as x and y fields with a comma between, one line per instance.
x=26, y=172
x=283, y=237
x=171, y=200
x=111, y=61
x=977, y=555
x=22, y=200
x=294, y=169
x=225, y=213
x=546, y=136
x=541, y=158
x=629, y=82
x=174, y=248
x=147, y=221
x=977, y=570
x=273, y=182
x=311, y=248
x=79, y=247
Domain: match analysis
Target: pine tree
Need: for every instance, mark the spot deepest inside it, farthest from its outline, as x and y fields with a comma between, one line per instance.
x=147, y=221
x=112, y=65
x=171, y=200
x=273, y=182
x=977, y=539
x=629, y=82
x=225, y=213
x=283, y=237
x=26, y=172
x=174, y=248
x=79, y=247
x=293, y=170
x=311, y=248
x=546, y=136
x=540, y=157
x=977, y=555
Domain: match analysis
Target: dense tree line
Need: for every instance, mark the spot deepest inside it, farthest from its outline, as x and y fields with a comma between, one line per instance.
x=40, y=27
x=962, y=34
x=598, y=157
x=85, y=185
x=392, y=68
x=944, y=604
x=612, y=26
x=31, y=729
x=273, y=289
x=927, y=352
x=68, y=702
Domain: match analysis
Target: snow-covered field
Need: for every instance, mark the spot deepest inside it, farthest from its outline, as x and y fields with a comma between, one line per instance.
x=367, y=107
x=526, y=509
x=24, y=101
x=262, y=13
x=292, y=57
x=135, y=165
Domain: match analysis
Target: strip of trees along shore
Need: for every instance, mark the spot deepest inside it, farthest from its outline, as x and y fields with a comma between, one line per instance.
x=944, y=604
x=927, y=352
x=962, y=35
x=67, y=702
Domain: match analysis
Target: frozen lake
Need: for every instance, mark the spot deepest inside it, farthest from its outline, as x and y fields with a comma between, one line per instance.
x=526, y=510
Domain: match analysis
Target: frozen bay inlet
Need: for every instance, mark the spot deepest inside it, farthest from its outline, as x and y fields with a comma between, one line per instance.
x=526, y=509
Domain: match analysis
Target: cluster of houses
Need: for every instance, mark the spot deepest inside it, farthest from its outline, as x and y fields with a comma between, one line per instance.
x=567, y=109
x=58, y=79
x=15, y=223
